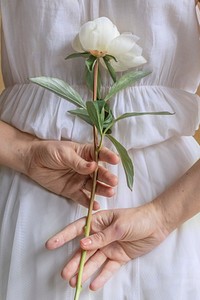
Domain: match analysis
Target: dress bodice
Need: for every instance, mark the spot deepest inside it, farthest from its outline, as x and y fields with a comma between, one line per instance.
x=37, y=38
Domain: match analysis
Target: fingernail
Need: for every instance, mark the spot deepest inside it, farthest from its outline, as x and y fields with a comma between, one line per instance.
x=86, y=242
x=89, y=164
x=52, y=243
x=55, y=243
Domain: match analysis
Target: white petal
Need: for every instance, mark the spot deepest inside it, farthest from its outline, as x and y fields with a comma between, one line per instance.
x=76, y=44
x=136, y=50
x=119, y=66
x=125, y=62
x=137, y=61
x=122, y=44
x=97, y=34
x=136, y=38
x=132, y=61
x=126, y=51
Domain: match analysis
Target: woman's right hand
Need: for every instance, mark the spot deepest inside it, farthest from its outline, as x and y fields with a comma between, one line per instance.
x=65, y=168
x=62, y=167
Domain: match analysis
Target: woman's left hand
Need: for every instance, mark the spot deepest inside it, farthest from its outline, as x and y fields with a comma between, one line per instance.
x=117, y=237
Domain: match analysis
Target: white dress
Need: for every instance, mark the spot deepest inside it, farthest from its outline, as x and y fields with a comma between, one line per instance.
x=37, y=38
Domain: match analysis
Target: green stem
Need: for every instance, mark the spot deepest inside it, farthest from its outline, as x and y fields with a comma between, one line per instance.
x=92, y=196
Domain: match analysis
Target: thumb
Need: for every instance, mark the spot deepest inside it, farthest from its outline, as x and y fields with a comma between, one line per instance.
x=99, y=239
x=80, y=165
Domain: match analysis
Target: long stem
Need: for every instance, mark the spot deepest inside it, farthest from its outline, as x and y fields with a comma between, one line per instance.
x=92, y=196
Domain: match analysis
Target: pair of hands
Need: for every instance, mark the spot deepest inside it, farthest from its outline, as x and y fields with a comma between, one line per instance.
x=118, y=235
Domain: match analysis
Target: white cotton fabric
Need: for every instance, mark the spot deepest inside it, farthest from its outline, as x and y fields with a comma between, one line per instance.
x=37, y=36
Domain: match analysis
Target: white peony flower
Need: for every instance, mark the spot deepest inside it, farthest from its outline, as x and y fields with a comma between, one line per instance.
x=101, y=37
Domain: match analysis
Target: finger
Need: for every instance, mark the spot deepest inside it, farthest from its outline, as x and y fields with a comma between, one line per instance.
x=72, y=266
x=71, y=269
x=109, y=269
x=105, y=154
x=80, y=165
x=93, y=264
x=107, y=177
x=101, y=189
x=108, y=156
x=99, y=239
x=67, y=234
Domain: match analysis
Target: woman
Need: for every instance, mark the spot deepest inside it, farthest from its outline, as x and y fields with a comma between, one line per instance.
x=37, y=37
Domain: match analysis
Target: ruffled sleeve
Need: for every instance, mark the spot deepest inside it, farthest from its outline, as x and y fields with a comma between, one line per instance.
x=44, y=114
x=36, y=111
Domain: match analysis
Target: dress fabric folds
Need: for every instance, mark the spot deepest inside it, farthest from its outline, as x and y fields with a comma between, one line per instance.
x=37, y=36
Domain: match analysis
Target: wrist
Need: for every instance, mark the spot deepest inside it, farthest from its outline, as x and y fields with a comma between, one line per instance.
x=23, y=152
x=181, y=201
x=14, y=147
x=159, y=217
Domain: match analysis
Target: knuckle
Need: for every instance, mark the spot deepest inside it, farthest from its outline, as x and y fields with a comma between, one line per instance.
x=105, y=173
x=100, y=237
x=110, y=192
x=118, y=230
x=87, y=151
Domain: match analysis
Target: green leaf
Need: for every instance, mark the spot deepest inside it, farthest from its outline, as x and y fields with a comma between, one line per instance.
x=60, y=88
x=111, y=70
x=89, y=79
x=94, y=115
x=78, y=54
x=106, y=115
x=125, y=159
x=101, y=104
x=108, y=121
x=82, y=114
x=136, y=114
x=90, y=63
x=109, y=57
x=125, y=81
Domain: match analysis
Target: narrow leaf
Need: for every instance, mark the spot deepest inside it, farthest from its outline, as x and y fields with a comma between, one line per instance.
x=89, y=79
x=94, y=115
x=78, y=54
x=126, y=161
x=90, y=63
x=108, y=122
x=82, y=114
x=136, y=114
x=101, y=104
x=60, y=88
x=109, y=57
x=110, y=68
x=125, y=81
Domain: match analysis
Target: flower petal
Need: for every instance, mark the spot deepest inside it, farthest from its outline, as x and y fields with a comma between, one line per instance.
x=125, y=63
x=127, y=52
x=76, y=44
x=102, y=35
x=120, y=66
x=136, y=61
x=122, y=44
x=97, y=34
